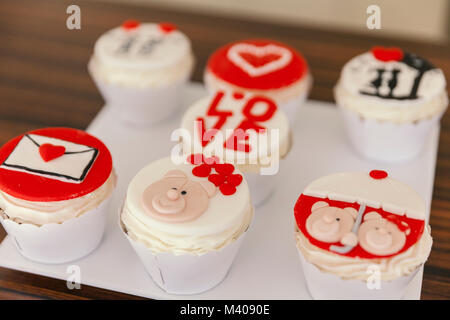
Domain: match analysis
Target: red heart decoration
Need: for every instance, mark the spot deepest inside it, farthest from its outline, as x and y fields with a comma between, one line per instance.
x=202, y=170
x=227, y=189
x=224, y=168
x=49, y=151
x=258, y=61
x=217, y=179
x=234, y=179
x=212, y=160
x=130, y=24
x=387, y=54
x=167, y=27
x=195, y=158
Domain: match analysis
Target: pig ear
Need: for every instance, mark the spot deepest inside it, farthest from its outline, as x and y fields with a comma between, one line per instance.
x=352, y=211
x=209, y=187
x=175, y=174
x=372, y=215
x=318, y=205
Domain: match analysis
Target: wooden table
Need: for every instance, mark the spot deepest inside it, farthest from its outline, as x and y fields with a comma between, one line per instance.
x=44, y=82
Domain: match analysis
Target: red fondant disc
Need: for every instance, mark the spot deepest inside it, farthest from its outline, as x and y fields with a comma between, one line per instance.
x=226, y=70
x=28, y=186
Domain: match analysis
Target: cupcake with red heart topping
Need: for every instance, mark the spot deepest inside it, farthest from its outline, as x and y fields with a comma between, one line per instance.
x=247, y=130
x=186, y=221
x=141, y=69
x=390, y=101
x=55, y=187
x=261, y=66
x=360, y=236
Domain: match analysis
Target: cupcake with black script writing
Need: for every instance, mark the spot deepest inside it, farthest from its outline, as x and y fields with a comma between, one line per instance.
x=141, y=70
x=360, y=236
x=186, y=221
x=55, y=187
x=245, y=129
x=391, y=101
x=261, y=66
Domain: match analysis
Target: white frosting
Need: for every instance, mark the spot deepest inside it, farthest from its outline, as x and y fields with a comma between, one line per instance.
x=278, y=122
x=356, y=268
x=70, y=167
x=40, y=213
x=225, y=219
x=391, y=195
x=359, y=73
x=151, y=58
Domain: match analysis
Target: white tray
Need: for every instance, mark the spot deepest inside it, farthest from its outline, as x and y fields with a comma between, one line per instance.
x=267, y=267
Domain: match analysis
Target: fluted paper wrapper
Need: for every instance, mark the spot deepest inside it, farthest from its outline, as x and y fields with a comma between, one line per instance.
x=187, y=273
x=327, y=286
x=60, y=242
x=387, y=141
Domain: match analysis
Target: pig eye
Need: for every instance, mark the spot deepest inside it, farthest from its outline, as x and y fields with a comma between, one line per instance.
x=338, y=219
x=174, y=188
x=183, y=192
x=376, y=228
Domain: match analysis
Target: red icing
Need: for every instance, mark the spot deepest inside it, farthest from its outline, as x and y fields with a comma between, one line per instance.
x=32, y=187
x=226, y=70
x=302, y=211
x=236, y=141
x=238, y=95
x=167, y=27
x=130, y=24
x=223, y=178
x=378, y=174
x=387, y=54
x=50, y=152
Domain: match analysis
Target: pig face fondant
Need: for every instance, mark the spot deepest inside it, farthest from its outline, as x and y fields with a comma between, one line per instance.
x=331, y=224
x=176, y=198
x=380, y=236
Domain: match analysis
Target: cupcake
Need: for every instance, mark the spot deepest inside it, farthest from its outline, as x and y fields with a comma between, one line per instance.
x=360, y=236
x=261, y=67
x=141, y=70
x=55, y=187
x=244, y=129
x=390, y=101
x=186, y=221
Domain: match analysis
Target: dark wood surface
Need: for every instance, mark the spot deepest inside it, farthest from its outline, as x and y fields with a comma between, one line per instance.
x=44, y=82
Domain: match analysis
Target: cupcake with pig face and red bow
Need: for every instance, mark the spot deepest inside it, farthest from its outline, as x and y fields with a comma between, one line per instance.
x=351, y=225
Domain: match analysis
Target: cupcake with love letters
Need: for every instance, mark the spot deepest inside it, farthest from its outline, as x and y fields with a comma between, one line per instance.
x=141, y=70
x=55, y=189
x=360, y=236
x=390, y=101
x=261, y=66
x=186, y=219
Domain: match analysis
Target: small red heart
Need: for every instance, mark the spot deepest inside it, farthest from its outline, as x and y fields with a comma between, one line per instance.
x=224, y=168
x=130, y=24
x=195, y=158
x=234, y=179
x=217, y=179
x=227, y=189
x=167, y=27
x=202, y=170
x=49, y=151
x=387, y=54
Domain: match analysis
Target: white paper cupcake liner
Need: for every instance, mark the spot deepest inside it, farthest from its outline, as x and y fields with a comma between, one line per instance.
x=187, y=273
x=326, y=286
x=60, y=242
x=142, y=106
x=260, y=186
x=387, y=141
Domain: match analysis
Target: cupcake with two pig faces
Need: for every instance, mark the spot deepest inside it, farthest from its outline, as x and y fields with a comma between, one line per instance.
x=350, y=226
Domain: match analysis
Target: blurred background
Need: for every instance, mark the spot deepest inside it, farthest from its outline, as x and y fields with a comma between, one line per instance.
x=414, y=19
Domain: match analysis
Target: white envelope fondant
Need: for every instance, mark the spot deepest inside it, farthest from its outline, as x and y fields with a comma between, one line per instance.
x=72, y=166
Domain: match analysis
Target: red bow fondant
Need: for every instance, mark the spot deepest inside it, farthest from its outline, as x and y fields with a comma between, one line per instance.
x=387, y=54
x=50, y=152
x=167, y=27
x=130, y=24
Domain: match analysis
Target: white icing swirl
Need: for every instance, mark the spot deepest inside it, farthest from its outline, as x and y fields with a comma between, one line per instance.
x=356, y=268
x=40, y=213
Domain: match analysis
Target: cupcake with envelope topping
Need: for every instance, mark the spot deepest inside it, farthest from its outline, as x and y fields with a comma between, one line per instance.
x=186, y=221
x=245, y=129
x=141, y=69
x=55, y=187
x=390, y=101
x=361, y=236
x=261, y=66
